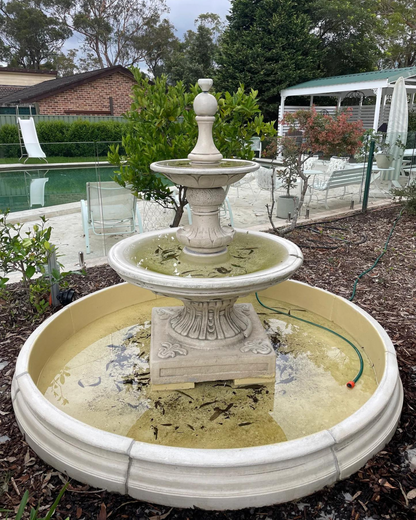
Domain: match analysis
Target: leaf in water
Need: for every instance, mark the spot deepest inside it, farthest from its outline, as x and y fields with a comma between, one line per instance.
x=222, y=270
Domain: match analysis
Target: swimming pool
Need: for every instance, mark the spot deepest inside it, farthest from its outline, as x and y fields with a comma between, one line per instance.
x=63, y=185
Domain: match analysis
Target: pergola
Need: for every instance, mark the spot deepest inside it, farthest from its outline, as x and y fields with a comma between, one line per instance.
x=379, y=84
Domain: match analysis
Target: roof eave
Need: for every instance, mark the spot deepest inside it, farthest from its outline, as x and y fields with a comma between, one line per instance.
x=334, y=89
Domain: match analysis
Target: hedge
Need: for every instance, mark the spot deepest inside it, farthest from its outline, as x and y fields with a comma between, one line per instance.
x=79, y=138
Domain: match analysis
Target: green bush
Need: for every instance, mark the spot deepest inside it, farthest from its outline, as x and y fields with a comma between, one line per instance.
x=412, y=121
x=407, y=194
x=77, y=139
x=9, y=134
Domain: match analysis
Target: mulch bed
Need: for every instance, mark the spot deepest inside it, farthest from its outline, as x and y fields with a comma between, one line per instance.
x=336, y=252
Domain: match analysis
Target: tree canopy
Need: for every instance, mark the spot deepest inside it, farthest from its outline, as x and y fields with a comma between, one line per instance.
x=113, y=31
x=30, y=37
x=268, y=45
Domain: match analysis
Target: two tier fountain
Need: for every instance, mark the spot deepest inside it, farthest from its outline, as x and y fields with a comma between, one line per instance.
x=244, y=407
x=211, y=337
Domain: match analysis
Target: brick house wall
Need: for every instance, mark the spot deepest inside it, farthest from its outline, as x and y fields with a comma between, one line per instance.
x=109, y=95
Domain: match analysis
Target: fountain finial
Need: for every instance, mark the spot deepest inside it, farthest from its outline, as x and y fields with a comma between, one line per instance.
x=205, y=106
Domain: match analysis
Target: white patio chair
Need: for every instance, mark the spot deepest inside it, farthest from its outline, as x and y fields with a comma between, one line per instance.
x=256, y=145
x=264, y=179
x=109, y=209
x=30, y=140
x=37, y=191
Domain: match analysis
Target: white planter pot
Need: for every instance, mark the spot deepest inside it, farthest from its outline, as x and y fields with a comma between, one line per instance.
x=383, y=160
x=285, y=205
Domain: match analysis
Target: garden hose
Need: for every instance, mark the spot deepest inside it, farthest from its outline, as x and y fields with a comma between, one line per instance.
x=351, y=383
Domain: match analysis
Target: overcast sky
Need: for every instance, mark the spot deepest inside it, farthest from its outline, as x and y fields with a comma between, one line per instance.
x=183, y=12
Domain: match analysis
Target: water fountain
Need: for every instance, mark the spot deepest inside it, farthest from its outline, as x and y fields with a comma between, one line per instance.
x=246, y=434
x=210, y=338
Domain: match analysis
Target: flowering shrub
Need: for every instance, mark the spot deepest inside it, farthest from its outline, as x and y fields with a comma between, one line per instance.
x=326, y=134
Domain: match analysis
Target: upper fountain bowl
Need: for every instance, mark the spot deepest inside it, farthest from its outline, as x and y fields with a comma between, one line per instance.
x=186, y=173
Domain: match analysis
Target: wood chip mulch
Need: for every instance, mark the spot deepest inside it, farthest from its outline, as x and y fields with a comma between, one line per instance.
x=336, y=252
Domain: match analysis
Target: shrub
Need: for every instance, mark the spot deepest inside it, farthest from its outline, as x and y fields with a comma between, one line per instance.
x=79, y=138
x=28, y=252
x=162, y=126
x=9, y=134
x=408, y=193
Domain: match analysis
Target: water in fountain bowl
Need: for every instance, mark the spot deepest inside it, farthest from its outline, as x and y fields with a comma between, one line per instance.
x=247, y=254
x=100, y=376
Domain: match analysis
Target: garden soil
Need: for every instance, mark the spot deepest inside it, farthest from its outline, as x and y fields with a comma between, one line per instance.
x=336, y=252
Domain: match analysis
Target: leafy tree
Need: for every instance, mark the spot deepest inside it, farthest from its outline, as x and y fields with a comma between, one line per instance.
x=399, y=33
x=158, y=45
x=195, y=57
x=65, y=64
x=31, y=38
x=268, y=45
x=113, y=29
x=349, y=33
x=162, y=126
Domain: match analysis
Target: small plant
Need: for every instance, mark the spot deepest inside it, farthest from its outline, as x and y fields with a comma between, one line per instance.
x=34, y=512
x=28, y=252
x=408, y=193
x=161, y=125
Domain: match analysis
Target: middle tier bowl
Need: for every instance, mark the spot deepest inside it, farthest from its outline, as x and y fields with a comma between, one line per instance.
x=256, y=261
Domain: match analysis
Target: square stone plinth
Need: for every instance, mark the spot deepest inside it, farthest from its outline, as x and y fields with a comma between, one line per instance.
x=173, y=363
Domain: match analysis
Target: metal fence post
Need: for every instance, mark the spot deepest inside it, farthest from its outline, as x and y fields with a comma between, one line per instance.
x=368, y=176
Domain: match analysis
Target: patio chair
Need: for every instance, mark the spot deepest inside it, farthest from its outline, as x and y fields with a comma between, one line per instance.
x=109, y=209
x=29, y=136
x=256, y=145
x=264, y=179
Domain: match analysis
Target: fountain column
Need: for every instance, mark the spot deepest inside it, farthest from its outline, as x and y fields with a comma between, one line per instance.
x=210, y=337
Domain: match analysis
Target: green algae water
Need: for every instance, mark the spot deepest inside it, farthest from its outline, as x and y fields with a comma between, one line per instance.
x=100, y=376
x=185, y=164
x=247, y=254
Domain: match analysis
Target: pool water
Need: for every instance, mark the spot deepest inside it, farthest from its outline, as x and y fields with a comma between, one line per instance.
x=63, y=186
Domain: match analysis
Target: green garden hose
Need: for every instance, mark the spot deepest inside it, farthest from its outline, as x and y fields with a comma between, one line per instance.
x=351, y=383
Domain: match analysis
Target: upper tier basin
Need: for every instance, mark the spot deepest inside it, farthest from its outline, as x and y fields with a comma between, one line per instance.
x=185, y=173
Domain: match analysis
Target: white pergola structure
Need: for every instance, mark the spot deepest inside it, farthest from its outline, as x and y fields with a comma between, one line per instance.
x=379, y=84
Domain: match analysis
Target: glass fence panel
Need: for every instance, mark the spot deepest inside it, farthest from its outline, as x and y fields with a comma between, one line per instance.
x=393, y=165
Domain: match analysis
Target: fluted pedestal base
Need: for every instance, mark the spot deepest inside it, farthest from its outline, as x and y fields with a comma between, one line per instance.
x=173, y=362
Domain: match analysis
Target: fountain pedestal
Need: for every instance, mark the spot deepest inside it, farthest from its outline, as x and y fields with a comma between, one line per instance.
x=243, y=358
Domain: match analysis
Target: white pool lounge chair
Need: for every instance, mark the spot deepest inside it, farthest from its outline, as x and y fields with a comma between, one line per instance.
x=30, y=140
x=109, y=209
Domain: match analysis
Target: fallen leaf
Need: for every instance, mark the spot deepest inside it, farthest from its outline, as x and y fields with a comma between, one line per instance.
x=102, y=515
x=412, y=494
x=161, y=517
x=79, y=512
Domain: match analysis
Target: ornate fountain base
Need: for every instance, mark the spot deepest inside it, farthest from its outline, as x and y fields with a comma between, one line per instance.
x=226, y=342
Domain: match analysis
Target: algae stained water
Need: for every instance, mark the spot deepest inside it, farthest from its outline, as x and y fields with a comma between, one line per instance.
x=247, y=254
x=102, y=379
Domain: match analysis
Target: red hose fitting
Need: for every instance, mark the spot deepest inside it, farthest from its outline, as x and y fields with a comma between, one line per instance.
x=350, y=384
